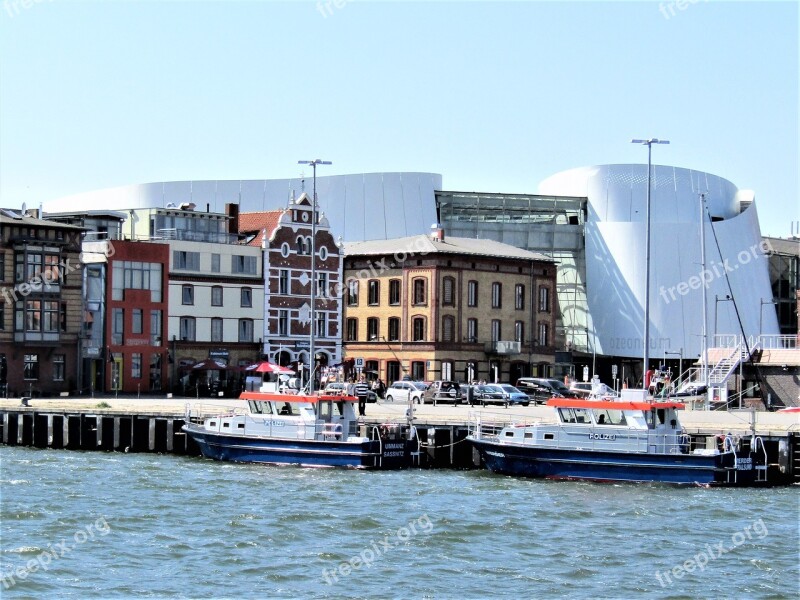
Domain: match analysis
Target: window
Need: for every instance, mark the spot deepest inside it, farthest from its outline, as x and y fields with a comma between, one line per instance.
x=322, y=322
x=2, y=266
x=448, y=328
x=373, y=292
x=246, y=330
x=215, y=262
x=216, y=329
x=519, y=331
x=117, y=326
x=243, y=264
x=322, y=285
x=447, y=370
x=544, y=330
x=51, y=316
x=155, y=327
x=323, y=253
x=394, y=292
x=448, y=291
x=59, y=367
x=544, y=299
x=301, y=245
x=472, y=330
x=285, y=250
x=136, y=366
x=247, y=297
x=216, y=295
x=418, y=329
x=2, y=316
x=283, y=282
x=187, y=295
x=189, y=261
x=352, y=330
x=497, y=295
x=496, y=330
x=137, y=324
x=417, y=370
x=420, y=296
x=187, y=327
x=394, y=329
x=352, y=292
x=472, y=293
x=519, y=297
x=372, y=329
x=30, y=368
x=62, y=314
x=283, y=322
x=134, y=275
x=392, y=370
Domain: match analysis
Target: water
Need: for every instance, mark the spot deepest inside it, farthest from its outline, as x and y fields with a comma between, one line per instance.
x=136, y=525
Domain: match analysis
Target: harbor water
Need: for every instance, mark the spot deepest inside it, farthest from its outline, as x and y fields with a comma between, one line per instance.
x=110, y=525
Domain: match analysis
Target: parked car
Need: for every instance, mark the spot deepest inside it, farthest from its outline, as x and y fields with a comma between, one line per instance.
x=400, y=391
x=499, y=393
x=541, y=389
x=444, y=391
x=339, y=388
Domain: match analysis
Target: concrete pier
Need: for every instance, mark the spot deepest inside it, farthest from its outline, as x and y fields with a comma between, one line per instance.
x=154, y=425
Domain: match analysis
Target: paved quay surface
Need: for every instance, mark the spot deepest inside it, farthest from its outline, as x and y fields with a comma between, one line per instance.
x=442, y=414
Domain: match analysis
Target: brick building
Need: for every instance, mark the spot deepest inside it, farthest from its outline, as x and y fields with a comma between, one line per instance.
x=40, y=304
x=430, y=307
x=285, y=237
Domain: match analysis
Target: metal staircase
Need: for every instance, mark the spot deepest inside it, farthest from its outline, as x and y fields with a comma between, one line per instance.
x=726, y=366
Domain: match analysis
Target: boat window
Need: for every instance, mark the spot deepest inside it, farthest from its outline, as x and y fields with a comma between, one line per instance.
x=650, y=418
x=325, y=410
x=240, y=425
x=662, y=416
x=286, y=409
x=259, y=407
x=509, y=434
x=567, y=415
x=226, y=424
x=212, y=424
x=609, y=417
x=582, y=415
x=549, y=436
x=528, y=435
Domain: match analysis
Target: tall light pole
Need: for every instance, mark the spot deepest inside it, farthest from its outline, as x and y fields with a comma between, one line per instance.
x=703, y=270
x=646, y=358
x=311, y=345
x=761, y=313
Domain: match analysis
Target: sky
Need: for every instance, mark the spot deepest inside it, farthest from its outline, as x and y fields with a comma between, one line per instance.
x=494, y=96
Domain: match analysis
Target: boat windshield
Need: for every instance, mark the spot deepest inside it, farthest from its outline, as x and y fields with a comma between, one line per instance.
x=258, y=407
x=609, y=417
x=574, y=415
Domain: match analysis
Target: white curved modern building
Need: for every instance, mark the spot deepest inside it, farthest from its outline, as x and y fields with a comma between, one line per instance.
x=359, y=207
x=735, y=266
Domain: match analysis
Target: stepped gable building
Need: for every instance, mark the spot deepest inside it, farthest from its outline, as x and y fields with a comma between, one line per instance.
x=436, y=307
x=40, y=304
x=285, y=237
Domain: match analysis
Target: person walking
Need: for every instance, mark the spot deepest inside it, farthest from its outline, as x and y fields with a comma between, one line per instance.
x=361, y=391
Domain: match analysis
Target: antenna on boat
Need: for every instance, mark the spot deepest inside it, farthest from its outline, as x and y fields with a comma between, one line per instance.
x=313, y=324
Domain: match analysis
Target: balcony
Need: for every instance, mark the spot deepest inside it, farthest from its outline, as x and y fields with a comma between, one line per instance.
x=503, y=348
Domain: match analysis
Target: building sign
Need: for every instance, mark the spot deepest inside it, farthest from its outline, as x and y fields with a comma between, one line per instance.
x=359, y=363
x=219, y=353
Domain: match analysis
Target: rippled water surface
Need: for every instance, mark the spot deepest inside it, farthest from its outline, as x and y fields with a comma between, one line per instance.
x=97, y=525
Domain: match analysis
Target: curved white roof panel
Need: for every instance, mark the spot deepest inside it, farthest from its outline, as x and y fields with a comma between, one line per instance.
x=363, y=206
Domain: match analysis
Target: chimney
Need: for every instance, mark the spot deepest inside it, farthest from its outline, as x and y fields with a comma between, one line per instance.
x=437, y=233
x=232, y=211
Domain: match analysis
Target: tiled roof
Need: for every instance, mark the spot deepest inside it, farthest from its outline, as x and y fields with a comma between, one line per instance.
x=256, y=222
x=423, y=244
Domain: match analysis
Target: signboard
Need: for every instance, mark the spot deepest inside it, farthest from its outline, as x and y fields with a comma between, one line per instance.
x=613, y=371
x=586, y=373
x=222, y=353
x=302, y=345
x=359, y=363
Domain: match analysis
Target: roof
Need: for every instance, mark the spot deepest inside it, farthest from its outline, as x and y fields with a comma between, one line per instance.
x=12, y=217
x=423, y=244
x=256, y=222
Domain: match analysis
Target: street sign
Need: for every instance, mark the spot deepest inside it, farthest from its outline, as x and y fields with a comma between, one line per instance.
x=359, y=363
x=586, y=373
x=613, y=371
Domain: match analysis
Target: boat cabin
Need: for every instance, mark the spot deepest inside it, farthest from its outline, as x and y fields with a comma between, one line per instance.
x=289, y=416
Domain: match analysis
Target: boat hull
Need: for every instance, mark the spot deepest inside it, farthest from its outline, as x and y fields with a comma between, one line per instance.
x=556, y=463
x=372, y=454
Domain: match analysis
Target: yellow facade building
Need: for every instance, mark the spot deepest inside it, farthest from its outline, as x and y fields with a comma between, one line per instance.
x=435, y=307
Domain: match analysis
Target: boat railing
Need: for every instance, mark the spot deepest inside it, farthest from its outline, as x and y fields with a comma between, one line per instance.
x=197, y=413
x=489, y=425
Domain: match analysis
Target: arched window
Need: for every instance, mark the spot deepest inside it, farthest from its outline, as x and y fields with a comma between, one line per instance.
x=448, y=328
x=448, y=291
x=418, y=329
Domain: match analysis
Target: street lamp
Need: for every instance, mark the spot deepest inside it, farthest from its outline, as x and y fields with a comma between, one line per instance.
x=717, y=300
x=649, y=143
x=594, y=349
x=761, y=312
x=311, y=348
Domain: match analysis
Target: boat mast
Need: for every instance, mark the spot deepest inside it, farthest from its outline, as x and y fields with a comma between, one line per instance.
x=704, y=341
x=313, y=295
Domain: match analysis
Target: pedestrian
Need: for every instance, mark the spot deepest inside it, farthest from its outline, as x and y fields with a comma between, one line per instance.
x=361, y=390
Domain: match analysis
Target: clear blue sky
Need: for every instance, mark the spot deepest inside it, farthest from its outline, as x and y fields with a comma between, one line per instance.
x=494, y=96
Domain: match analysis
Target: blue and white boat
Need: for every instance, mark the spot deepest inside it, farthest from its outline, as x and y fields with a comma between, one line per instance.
x=307, y=430
x=633, y=439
